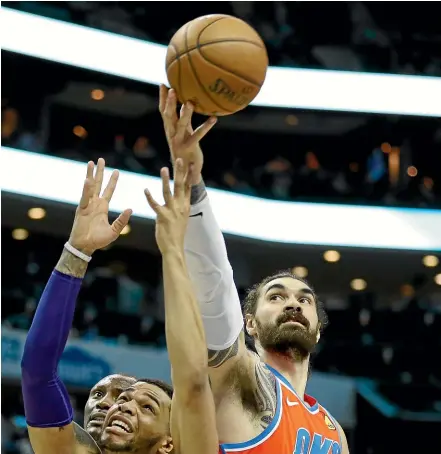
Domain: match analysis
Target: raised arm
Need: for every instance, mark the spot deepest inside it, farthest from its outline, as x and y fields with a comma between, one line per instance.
x=48, y=410
x=205, y=251
x=193, y=422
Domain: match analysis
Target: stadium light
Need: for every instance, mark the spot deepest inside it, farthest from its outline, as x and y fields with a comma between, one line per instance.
x=144, y=61
x=36, y=213
x=56, y=179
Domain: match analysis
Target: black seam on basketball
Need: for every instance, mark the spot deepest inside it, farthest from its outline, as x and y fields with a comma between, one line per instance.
x=209, y=25
x=229, y=70
x=185, y=35
x=195, y=74
x=215, y=41
x=198, y=45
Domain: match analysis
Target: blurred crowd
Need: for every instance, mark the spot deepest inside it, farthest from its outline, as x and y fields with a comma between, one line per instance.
x=121, y=302
x=14, y=439
x=263, y=165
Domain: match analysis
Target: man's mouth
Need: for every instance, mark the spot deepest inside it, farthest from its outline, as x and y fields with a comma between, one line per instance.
x=96, y=420
x=293, y=320
x=119, y=424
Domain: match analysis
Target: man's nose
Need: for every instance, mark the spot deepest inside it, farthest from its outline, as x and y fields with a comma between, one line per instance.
x=104, y=404
x=127, y=408
x=293, y=306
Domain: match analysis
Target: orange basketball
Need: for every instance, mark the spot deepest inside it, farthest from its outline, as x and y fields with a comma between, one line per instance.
x=217, y=62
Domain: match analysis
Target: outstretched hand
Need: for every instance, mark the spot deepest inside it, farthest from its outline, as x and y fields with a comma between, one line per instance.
x=91, y=229
x=182, y=140
x=172, y=217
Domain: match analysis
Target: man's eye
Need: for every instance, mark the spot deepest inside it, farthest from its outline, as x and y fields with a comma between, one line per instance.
x=304, y=299
x=275, y=297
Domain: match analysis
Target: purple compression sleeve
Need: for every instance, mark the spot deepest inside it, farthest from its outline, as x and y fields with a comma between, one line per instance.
x=45, y=397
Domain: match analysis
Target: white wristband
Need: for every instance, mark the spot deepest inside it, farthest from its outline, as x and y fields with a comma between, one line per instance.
x=77, y=253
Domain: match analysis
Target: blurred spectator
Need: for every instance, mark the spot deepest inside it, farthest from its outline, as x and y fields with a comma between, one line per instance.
x=10, y=125
x=277, y=176
x=236, y=185
x=23, y=319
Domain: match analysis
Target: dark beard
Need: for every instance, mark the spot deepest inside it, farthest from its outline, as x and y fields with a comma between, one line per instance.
x=293, y=340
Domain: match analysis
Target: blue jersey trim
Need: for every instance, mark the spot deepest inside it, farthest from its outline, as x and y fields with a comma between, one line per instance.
x=312, y=409
x=269, y=429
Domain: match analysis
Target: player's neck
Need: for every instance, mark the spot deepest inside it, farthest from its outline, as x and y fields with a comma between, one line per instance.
x=294, y=370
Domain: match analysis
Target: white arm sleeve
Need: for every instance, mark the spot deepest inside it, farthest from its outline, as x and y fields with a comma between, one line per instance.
x=212, y=277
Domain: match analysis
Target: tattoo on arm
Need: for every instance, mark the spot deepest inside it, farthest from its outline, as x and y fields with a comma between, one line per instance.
x=85, y=440
x=71, y=265
x=218, y=357
x=258, y=394
x=198, y=193
x=265, y=394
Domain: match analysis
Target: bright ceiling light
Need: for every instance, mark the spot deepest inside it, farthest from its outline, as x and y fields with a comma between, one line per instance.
x=37, y=213
x=20, y=234
x=331, y=256
x=300, y=271
x=358, y=284
x=430, y=261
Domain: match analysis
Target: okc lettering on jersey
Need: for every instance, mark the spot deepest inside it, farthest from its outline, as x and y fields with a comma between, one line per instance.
x=317, y=445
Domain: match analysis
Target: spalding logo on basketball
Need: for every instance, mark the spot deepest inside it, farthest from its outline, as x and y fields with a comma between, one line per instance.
x=221, y=88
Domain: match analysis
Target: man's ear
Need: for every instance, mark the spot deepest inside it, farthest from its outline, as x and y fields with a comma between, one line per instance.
x=250, y=325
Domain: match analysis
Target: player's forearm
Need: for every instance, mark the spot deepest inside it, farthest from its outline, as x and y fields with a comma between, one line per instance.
x=211, y=273
x=183, y=325
x=45, y=397
x=55, y=309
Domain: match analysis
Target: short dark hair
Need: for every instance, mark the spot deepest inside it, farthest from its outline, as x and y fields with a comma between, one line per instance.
x=253, y=293
x=168, y=389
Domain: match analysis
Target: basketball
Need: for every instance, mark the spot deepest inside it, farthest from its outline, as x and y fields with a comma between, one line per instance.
x=218, y=62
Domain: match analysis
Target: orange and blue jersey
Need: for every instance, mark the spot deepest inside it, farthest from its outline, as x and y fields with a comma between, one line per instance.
x=296, y=428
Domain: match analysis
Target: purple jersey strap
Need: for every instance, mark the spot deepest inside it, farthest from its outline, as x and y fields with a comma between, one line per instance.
x=46, y=400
